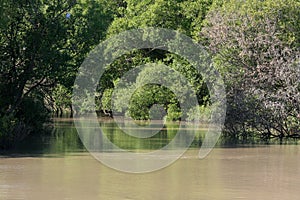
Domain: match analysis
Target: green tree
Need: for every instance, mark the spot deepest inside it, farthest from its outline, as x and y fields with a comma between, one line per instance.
x=181, y=15
x=41, y=45
x=90, y=20
x=33, y=55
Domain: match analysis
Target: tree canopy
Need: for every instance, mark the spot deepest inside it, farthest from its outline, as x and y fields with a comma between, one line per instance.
x=42, y=45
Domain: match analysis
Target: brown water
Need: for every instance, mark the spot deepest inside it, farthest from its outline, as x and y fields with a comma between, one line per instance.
x=271, y=172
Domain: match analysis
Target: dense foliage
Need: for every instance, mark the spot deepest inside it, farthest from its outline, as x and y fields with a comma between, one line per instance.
x=42, y=43
x=254, y=44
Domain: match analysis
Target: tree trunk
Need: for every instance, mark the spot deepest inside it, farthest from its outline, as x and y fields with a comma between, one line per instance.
x=71, y=110
x=61, y=112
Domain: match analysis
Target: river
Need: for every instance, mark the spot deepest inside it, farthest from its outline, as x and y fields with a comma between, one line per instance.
x=58, y=167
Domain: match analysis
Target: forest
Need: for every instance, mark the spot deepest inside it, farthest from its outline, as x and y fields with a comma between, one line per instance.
x=254, y=45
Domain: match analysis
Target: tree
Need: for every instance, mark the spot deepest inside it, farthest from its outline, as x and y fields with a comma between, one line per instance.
x=256, y=46
x=181, y=15
x=32, y=53
x=42, y=45
x=90, y=20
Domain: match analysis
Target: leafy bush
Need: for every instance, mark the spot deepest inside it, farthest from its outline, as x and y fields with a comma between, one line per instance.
x=174, y=112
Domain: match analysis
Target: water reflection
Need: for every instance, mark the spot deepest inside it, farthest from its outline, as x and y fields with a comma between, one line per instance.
x=157, y=141
x=58, y=167
x=64, y=138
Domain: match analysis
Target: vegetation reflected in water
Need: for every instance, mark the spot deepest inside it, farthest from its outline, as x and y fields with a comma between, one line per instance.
x=57, y=166
x=64, y=139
